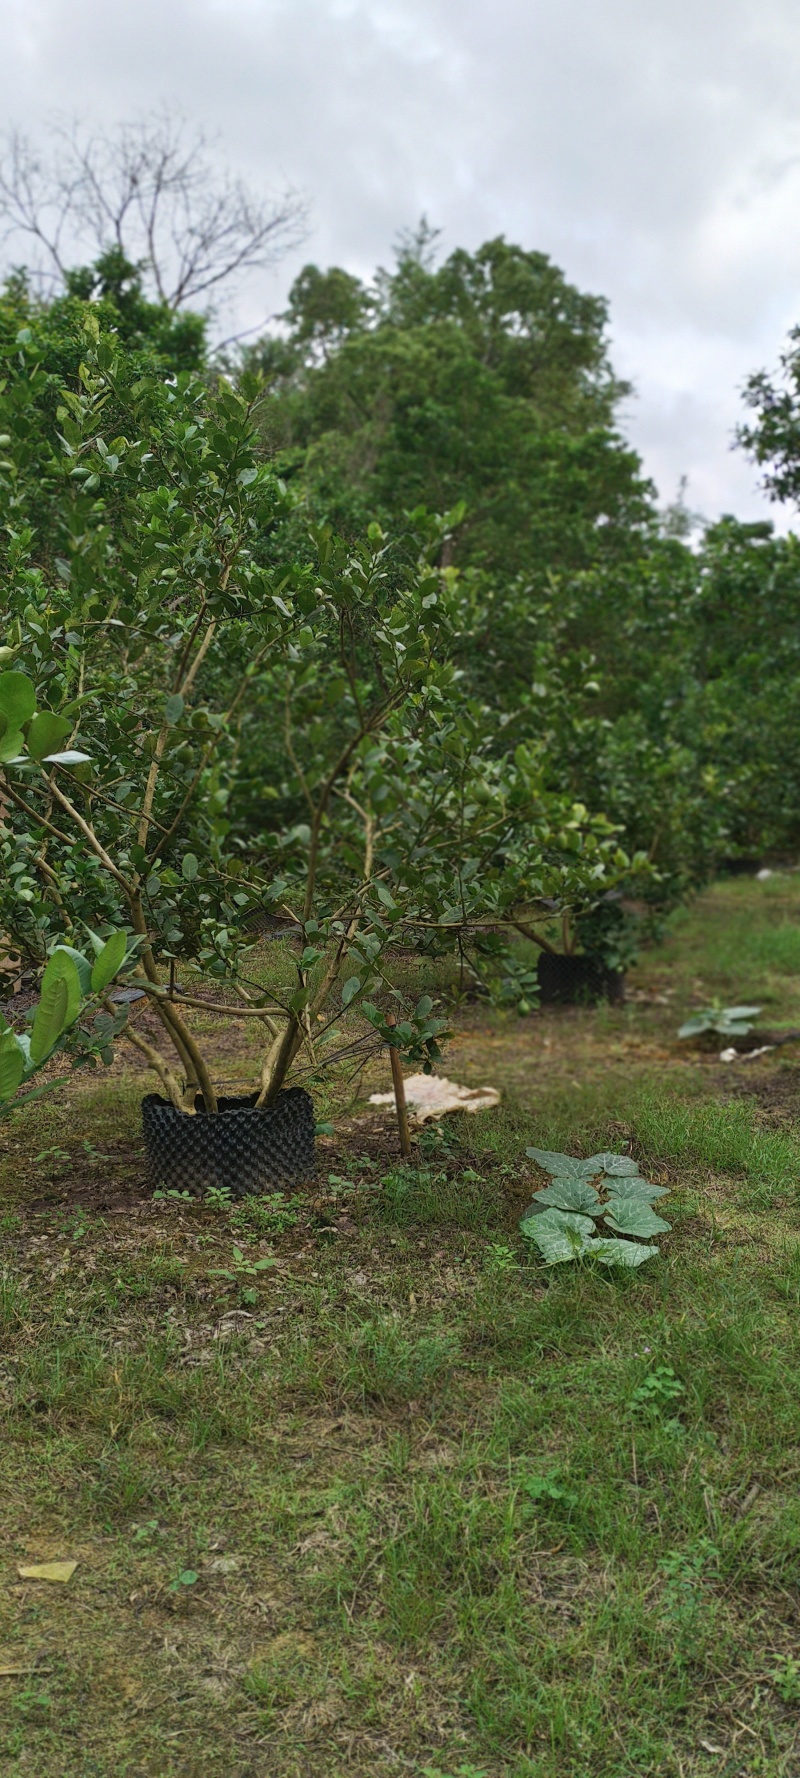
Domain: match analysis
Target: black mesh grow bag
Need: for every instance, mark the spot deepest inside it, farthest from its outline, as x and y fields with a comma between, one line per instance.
x=576, y=980
x=245, y=1149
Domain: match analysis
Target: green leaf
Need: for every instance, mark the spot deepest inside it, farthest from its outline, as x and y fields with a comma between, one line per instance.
x=621, y=1253
x=635, y=1219
x=618, y=1166
x=559, y=1237
x=12, y=1065
x=11, y=746
x=350, y=989
x=741, y=1012
x=50, y=1018
x=189, y=867
x=571, y=1194
x=635, y=1191
x=46, y=733
x=110, y=960
x=77, y=972
x=17, y=698
x=562, y=1166
x=63, y=968
x=695, y=1027
x=173, y=709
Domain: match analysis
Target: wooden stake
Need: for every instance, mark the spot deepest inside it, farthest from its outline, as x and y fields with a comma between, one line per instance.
x=399, y=1096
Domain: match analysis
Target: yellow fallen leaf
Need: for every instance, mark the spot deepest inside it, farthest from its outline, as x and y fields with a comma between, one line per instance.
x=48, y=1571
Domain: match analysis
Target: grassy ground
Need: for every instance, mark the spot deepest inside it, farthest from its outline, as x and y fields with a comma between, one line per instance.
x=405, y=1501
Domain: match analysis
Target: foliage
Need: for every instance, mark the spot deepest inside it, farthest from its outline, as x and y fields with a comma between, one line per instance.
x=70, y=987
x=383, y=807
x=726, y=1021
x=484, y=380
x=565, y=1215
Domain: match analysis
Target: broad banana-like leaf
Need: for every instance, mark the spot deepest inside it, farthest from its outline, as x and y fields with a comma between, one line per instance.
x=109, y=961
x=50, y=1017
x=61, y=966
x=12, y=1065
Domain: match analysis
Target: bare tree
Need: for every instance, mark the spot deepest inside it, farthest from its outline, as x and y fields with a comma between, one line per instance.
x=151, y=188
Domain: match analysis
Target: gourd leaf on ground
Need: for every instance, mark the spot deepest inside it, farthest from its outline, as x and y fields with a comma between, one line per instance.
x=621, y=1253
x=635, y=1219
x=617, y=1166
x=559, y=1235
x=570, y=1194
x=635, y=1191
x=562, y=1166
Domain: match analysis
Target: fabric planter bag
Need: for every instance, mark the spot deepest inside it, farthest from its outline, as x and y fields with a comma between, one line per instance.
x=239, y=1147
x=577, y=980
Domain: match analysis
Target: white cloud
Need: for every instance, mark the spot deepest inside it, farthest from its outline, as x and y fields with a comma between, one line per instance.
x=653, y=150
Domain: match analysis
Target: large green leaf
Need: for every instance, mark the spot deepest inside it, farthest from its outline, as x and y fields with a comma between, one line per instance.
x=11, y=746
x=617, y=1166
x=635, y=1219
x=110, y=960
x=621, y=1253
x=636, y=1191
x=46, y=733
x=17, y=698
x=732, y=1013
x=12, y=1065
x=695, y=1027
x=559, y=1236
x=62, y=964
x=562, y=1166
x=570, y=1194
x=50, y=1017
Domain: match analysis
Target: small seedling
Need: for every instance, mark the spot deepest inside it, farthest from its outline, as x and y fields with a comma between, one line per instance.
x=725, y=1021
x=144, y=1533
x=242, y=1266
x=268, y=1215
x=786, y=1680
x=161, y=1197
x=500, y=1259
x=549, y=1490
x=187, y=1578
x=92, y=1153
x=218, y=1197
x=660, y=1389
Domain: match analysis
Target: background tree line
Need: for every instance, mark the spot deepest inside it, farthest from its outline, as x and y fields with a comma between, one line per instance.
x=464, y=406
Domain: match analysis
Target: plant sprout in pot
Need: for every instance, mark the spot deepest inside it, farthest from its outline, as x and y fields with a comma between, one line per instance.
x=291, y=743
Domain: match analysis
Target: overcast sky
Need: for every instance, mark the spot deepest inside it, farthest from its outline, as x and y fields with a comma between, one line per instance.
x=651, y=147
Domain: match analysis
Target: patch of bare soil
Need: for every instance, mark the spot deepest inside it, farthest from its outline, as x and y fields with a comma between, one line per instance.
x=776, y=1092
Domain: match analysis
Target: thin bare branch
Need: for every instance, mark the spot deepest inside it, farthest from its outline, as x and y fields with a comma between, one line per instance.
x=153, y=189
